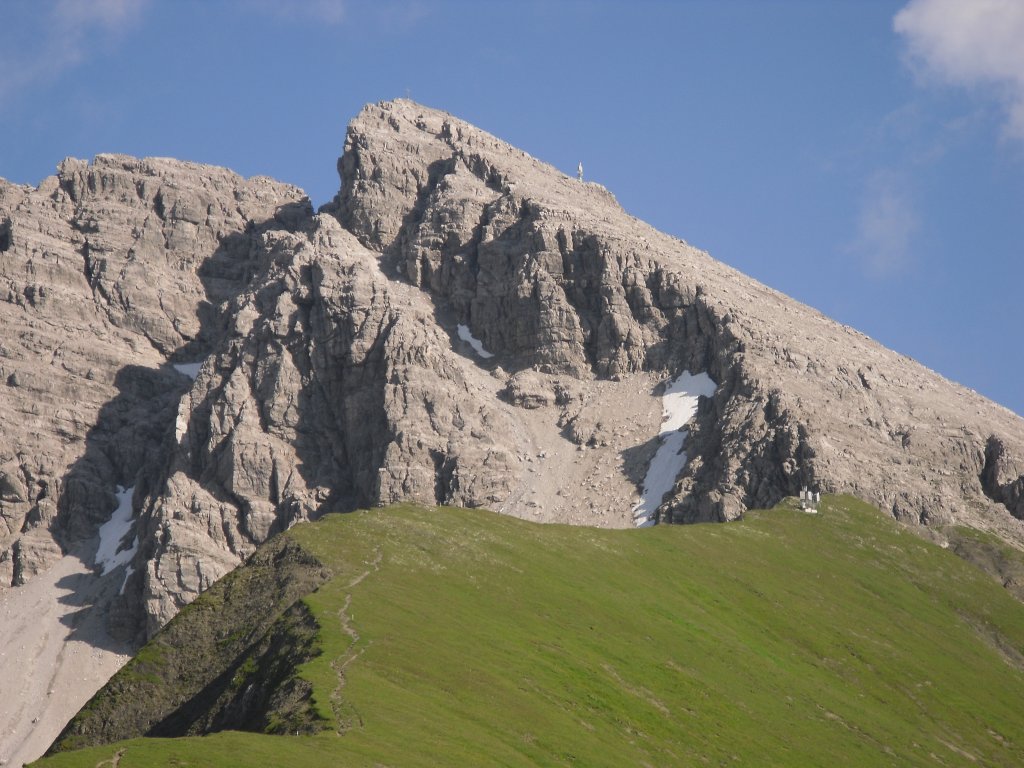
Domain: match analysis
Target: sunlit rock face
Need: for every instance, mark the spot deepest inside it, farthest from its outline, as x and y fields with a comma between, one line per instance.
x=549, y=273
x=462, y=325
x=108, y=270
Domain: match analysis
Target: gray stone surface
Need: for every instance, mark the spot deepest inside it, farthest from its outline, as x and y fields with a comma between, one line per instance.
x=108, y=271
x=334, y=388
x=550, y=273
x=333, y=375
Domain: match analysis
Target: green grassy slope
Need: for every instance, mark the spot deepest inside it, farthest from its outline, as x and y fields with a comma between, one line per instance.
x=455, y=637
x=227, y=661
x=992, y=555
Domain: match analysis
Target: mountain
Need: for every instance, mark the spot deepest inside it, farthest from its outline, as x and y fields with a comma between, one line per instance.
x=109, y=271
x=460, y=637
x=193, y=361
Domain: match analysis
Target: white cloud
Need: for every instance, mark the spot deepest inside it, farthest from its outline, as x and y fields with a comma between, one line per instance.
x=329, y=12
x=886, y=226
x=60, y=35
x=972, y=43
x=112, y=14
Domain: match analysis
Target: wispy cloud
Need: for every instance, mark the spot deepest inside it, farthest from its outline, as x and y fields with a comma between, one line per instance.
x=329, y=12
x=59, y=35
x=391, y=15
x=112, y=14
x=886, y=226
x=403, y=16
x=326, y=11
x=970, y=43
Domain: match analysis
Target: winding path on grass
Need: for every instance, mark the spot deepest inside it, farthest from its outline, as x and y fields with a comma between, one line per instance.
x=338, y=705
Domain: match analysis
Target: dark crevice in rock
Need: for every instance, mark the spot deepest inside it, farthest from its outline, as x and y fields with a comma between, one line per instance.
x=127, y=437
x=443, y=477
x=734, y=463
x=490, y=175
x=436, y=171
x=1002, y=477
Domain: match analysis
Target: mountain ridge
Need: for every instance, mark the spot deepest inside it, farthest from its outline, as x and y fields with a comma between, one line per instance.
x=547, y=273
x=454, y=636
x=244, y=363
x=732, y=328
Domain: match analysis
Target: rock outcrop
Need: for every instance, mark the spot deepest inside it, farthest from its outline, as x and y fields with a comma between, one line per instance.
x=462, y=325
x=551, y=274
x=108, y=272
x=333, y=389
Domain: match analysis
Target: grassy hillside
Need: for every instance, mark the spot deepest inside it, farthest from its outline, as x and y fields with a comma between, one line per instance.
x=456, y=637
x=226, y=662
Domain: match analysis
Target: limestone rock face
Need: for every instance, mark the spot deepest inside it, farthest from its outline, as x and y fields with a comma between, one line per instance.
x=462, y=325
x=108, y=271
x=550, y=274
x=334, y=388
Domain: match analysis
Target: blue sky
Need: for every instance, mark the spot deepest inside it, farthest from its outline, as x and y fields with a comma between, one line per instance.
x=863, y=156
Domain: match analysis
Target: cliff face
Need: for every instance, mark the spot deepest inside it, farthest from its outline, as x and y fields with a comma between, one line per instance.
x=108, y=271
x=333, y=388
x=463, y=325
x=552, y=274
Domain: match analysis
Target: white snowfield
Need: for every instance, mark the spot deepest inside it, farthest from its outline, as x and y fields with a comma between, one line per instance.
x=189, y=369
x=679, y=405
x=113, y=532
x=475, y=343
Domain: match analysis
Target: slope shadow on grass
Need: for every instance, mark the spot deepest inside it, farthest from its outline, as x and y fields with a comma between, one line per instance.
x=228, y=661
x=783, y=639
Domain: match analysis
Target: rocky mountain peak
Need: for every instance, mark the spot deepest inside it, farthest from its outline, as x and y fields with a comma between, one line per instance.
x=551, y=274
x=108, y=270
x=192, y=361
x=463, y=325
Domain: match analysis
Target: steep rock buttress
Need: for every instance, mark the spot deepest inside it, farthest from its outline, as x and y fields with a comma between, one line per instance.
x=551, y=274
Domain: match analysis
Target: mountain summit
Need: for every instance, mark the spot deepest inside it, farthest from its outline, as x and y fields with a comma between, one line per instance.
x=193, y=361
x=462, y=325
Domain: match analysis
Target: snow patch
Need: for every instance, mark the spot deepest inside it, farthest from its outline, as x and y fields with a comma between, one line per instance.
x=189, y=369
x=679, y=405
x=112, y=533
x=128, y=572
x=475, y=343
